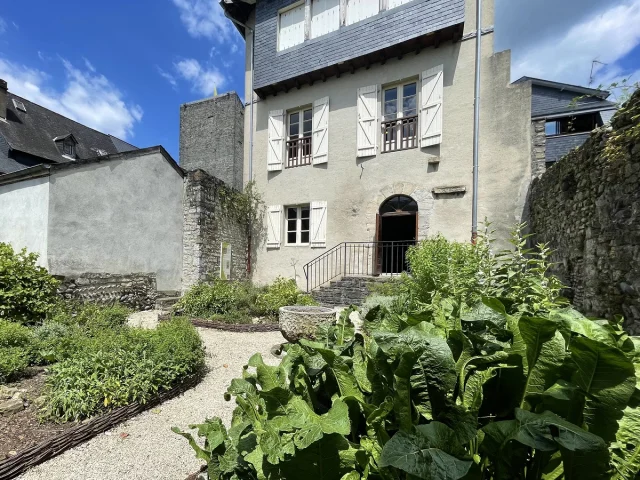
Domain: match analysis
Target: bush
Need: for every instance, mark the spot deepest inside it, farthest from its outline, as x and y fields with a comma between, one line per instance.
x=219, y=297
x=282, y=292
x=90, y=316
x=119, y=367
x=27, y=292
x=17, y=350
x=13, y=363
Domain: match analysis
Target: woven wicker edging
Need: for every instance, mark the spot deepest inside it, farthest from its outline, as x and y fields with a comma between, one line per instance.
x=14, y=466
x=229, y=327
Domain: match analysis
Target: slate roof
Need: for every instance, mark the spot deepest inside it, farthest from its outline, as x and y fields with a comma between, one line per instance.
x=33, y=131
x=566, y=86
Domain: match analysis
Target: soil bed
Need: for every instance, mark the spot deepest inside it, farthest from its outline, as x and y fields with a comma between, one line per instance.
x=22, y=430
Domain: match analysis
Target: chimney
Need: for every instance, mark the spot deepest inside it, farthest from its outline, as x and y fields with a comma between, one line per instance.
x=3, y=99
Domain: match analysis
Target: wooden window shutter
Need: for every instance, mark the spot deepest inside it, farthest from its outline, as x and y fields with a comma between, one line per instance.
x=276, y=140
x=431, y=107
x=320, y=141
x=274, y=226
x=318, y=224
x=366, y=136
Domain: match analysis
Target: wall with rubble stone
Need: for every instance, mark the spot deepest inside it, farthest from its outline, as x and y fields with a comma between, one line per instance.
x=209, y=220
x=136, y=290
x=587, y=207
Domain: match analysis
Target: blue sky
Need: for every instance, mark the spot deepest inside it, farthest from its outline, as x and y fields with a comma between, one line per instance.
x=125, y=67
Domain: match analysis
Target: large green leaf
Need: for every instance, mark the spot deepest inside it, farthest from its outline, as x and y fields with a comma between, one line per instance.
x=340, y=368
x=430, y=452
x=311, y=426
x=625, y=451
x=268, y=377
x=546, y=352
x=608, y=379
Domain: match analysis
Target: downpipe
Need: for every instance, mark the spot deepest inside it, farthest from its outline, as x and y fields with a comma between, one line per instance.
x=476, y=124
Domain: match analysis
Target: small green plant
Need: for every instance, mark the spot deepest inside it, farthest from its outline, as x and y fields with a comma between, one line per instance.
x=89, y=315
x=282, y=292
x=17, y=350
x=27, y=291
x=220, y=297
x=118, y=367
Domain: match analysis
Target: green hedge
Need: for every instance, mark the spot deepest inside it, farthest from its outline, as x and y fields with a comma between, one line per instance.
x=118, y=367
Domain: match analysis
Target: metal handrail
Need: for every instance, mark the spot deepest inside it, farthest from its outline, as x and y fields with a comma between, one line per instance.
x=357, y=258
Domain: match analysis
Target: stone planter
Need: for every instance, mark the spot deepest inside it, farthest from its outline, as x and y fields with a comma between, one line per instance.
x=298, y=322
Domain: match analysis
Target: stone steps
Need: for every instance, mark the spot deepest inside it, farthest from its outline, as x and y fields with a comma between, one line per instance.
x=346, y=291
x=165, y=303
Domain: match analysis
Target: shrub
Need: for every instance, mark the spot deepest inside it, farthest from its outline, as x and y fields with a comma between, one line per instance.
x=119, y=367
x=282, y=292
x=13, y=363
x=219, y=297
x=27, y=291
x=89, y=315
x=15, y=335
x=17, y=350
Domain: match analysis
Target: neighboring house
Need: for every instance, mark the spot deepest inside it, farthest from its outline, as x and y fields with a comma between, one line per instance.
x=363, y=131
x=32, y=135
x=562, y=118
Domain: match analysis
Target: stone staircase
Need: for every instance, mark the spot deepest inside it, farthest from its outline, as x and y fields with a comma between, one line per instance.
x=166, y=300
x=346, y=291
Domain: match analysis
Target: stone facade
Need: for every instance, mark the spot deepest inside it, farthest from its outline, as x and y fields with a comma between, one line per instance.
x=538, y=147
x=587, y=207
x=136, y=290
x=209, y=220
x=211, y=137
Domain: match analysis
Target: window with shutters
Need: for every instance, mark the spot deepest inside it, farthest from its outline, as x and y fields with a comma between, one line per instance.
x=397, y=3
x=325, y=17
x=399, y=117
x=291, y=26
x=358, y=10
x=297, y=225
x=299, y=134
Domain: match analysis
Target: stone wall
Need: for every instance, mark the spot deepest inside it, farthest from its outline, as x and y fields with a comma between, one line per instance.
x=587, y=207
x=539, y=148
x=209, y=220
x=136, y=290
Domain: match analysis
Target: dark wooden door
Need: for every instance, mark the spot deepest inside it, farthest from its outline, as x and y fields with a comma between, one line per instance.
x=378, y=249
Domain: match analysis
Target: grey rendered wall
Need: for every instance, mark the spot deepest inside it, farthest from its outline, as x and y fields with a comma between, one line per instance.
x=355, y=187
x=211, y=136
x=121, y=216
x=383, y=30
x=558, y=147
x=24, y=216
x=547, y=100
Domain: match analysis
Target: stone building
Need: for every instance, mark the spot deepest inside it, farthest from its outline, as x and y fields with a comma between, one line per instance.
x=363, y=131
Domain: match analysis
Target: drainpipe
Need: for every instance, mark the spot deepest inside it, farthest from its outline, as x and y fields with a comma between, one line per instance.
x=251, y=30
x=476, y=124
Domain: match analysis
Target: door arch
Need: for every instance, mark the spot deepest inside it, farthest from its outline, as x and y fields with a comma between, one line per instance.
x=396, y=231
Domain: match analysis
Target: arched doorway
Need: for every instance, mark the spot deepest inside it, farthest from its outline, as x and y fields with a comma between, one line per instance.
x=396, y=231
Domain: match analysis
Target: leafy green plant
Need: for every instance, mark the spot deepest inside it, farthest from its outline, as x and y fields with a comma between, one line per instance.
x=219, y=297
x=282, y=292
x=13, y=363
x=27, y=291
x=89, y=315
x=118, y=367
x=17, y=350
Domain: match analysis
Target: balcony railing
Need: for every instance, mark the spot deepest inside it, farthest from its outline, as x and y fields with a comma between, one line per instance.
x=400, y=134
x=299, y=152
x=358, y=259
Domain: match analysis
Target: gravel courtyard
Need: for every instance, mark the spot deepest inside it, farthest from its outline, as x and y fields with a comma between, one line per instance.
x=145, y=448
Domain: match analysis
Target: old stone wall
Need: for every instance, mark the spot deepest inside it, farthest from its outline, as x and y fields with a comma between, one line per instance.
x=136, y=290
x=539, y=148
x=587, y=207
x=209, y=220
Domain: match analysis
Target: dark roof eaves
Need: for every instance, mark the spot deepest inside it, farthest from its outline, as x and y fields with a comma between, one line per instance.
x=28, y=173
x=604, y=94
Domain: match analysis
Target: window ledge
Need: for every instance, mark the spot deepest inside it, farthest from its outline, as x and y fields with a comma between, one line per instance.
x=570, y=134
x=449, y=190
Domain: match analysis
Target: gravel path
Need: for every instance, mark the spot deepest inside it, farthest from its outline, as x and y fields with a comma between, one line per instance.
x=149, y=449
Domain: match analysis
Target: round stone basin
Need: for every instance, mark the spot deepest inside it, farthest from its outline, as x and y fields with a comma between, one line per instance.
x=298, y=322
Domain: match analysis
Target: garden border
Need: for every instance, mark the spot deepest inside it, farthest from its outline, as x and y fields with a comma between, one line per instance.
x=26, y=459
x=228, y=327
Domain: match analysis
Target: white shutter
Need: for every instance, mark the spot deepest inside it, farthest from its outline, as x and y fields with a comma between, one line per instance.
x=291, y=27
x=274, y=226
x=358, y=10
x=276, y=140
x=431, y=107
x=318, y=224
x=397, y=3
x=325, y=17
x=366, y=136
x=320, y=140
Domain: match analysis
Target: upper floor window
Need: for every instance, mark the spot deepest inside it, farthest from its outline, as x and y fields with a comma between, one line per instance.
x=397, y=3
x=325, y=17
x=400, y=117
x=358, y=10
x=299, y=130
x=68, y=148
x=291, y=26
x=66, y=145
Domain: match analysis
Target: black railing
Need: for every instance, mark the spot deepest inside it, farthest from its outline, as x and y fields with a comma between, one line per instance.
x=357, y=259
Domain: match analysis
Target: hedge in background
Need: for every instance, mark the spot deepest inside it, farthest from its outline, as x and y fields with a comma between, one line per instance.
x=27, y=291
x=119, y=367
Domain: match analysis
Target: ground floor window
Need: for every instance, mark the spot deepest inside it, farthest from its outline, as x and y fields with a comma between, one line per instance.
x=297, y=225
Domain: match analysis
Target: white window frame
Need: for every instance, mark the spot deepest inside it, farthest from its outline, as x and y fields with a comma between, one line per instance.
x=288, y=138
x=298, y=242
x=399, y=86
x=285, y=10
x=403, y=142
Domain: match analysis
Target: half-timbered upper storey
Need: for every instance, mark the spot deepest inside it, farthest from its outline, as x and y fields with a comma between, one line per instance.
x=299, y=42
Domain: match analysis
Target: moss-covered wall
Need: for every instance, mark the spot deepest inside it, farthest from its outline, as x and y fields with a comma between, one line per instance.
x=587, y=207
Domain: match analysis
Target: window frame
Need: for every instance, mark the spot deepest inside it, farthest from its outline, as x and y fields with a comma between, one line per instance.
x=298, y=219
x=301, y=159
x=401, y=122
x=68, y=144
x=304, y=26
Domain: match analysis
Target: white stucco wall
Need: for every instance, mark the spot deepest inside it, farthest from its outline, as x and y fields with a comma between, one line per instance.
x=355, y=187
x=118, y=216
x=24, y=208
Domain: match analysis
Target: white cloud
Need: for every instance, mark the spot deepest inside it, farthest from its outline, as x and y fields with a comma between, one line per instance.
x=87, y=97
x=606, y=36
x=204, y=80
x=168, y=77
x=204, y=18
x=89, y=65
